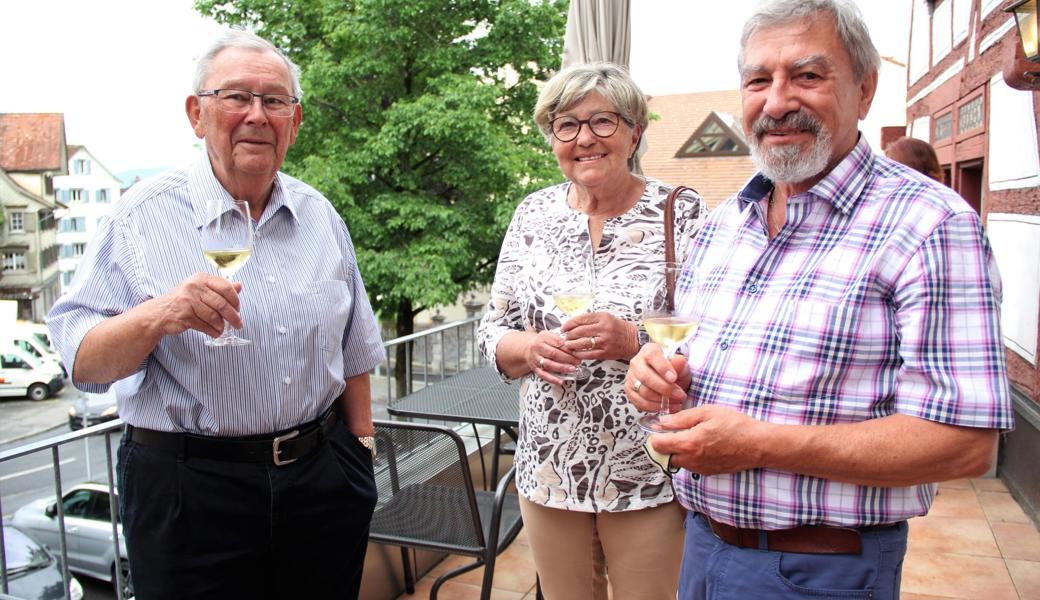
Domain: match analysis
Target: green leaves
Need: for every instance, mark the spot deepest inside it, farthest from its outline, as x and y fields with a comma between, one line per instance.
x=417, y=127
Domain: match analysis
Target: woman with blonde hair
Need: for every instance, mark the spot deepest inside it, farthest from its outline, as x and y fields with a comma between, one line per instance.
x=591, y=499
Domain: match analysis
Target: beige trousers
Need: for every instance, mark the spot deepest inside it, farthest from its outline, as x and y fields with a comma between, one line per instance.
x=573, y=551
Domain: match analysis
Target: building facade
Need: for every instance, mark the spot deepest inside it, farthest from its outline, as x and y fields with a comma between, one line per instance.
x=32, y=154
x=985, y=134
x=89, y=191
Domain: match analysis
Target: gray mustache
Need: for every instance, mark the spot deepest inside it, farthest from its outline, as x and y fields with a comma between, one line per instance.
x=795, y=120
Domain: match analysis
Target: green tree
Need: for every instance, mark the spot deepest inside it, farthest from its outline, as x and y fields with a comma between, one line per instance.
x=417, y=126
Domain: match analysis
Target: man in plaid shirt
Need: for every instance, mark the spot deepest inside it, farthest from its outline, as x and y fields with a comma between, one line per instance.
x=849, y=353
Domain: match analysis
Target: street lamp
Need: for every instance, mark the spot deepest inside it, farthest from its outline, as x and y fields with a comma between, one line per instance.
x=1025, y=15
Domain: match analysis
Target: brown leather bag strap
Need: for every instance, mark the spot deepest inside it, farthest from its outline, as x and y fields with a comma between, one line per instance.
x=669, y=235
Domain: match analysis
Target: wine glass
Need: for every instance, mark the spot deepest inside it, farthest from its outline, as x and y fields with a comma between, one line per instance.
x=573, y=290
x=227, y=243
x=666, y=323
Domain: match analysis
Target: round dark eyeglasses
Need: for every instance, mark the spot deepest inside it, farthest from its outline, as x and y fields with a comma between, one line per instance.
x=240, y=101
x=602, y=124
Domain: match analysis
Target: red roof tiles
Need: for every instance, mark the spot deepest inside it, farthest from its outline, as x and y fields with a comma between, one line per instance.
x=32, y=142
x=714, y=177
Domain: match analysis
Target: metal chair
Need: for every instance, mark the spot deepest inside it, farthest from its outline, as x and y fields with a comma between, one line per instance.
x=427, y=501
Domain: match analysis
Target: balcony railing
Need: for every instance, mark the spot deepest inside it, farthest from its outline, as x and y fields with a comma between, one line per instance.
x=439, y=347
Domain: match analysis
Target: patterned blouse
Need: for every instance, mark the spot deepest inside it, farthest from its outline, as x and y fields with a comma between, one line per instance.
x=580, y=447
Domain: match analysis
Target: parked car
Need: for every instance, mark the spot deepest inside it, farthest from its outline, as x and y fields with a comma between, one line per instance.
x=23, y=338
x=22, y=374
x=88, y=529
x=92, y=409
x=33, y=573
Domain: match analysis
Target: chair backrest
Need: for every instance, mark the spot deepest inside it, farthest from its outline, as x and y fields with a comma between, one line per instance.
x=426, y=496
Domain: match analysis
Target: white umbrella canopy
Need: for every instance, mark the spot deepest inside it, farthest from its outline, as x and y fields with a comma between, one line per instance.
x=600, y=30
x=597, y=30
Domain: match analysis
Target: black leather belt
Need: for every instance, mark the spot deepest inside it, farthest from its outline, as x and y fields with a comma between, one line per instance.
x=277, y=449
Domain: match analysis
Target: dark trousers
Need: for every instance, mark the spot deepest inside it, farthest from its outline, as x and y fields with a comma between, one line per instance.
x=200, y=528
x=714, y=570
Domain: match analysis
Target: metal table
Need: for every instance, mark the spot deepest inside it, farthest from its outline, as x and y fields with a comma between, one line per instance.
x=476, y=396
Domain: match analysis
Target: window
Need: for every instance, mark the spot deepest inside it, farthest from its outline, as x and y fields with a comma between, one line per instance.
x=69, y=224
x=14, y=261
x=11, y=361
x=78, y=195
x=715, y=137
x=66, y=278
x=101, y=196
x=17, y=224
x=943, y=127
x=77, y=504
x=81, y=167
x=27, y=347
x=970, y=114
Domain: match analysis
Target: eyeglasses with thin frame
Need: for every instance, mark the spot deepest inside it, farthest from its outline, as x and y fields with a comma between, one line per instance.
x=602, y=124
x=240, y=101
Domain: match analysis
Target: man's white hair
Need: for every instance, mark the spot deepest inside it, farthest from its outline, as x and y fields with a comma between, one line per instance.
x=236, y=38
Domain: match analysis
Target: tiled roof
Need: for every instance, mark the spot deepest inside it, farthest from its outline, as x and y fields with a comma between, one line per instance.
x=715, y=177
x=32, y=141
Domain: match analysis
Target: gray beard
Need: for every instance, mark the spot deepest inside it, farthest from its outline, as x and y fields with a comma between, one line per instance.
x=788, y=163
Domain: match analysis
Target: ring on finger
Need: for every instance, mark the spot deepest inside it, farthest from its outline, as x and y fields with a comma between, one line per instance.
x=541, y=362
x=637, y=386
x=593, y=339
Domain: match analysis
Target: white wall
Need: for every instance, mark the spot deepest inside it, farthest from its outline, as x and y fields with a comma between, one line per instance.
x=1013, y=159
x=1016, y=245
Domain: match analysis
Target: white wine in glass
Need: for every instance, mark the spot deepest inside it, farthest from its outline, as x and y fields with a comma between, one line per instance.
x=227, y=242
x=573, y=288
x=667, y=325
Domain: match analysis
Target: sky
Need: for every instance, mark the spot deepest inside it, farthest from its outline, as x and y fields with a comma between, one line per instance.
x=120, y=69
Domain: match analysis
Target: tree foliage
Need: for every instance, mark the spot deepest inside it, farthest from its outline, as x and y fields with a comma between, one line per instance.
x=417, y=127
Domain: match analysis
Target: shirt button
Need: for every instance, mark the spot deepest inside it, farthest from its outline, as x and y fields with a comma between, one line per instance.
x=753, y=288
x=271, y=279
x=282, y=330
x=287, y=380
x=724, y=345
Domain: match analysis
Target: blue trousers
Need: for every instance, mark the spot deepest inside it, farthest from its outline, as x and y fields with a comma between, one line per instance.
x=714, y=570
x=199, y=528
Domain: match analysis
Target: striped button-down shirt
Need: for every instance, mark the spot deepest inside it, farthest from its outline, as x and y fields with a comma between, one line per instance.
x=303, y=306
x=879, y=296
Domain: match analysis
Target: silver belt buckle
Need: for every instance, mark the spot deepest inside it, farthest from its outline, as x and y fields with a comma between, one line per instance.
x=276, y=449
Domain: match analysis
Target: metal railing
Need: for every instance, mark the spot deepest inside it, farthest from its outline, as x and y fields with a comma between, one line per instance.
x=422, y=339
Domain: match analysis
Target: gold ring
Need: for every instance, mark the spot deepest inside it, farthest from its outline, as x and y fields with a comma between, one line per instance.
x=636, y=386
x=593, y=341
x=541, y=362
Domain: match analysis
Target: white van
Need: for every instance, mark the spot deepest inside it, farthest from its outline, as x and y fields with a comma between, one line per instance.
x=22, y=374
x=23, y=337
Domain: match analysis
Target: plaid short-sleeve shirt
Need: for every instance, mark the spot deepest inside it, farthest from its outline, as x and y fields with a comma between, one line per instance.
x=879, y=296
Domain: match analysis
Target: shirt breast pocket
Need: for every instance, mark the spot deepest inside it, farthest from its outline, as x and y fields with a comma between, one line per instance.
x=333, y=302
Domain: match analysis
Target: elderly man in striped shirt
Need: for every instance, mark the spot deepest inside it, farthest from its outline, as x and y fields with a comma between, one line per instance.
x=244, y=472
x=849, y=353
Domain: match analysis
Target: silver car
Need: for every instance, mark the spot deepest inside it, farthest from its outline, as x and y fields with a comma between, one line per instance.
x=33, y=573
x=88, y=531
x=93, y=409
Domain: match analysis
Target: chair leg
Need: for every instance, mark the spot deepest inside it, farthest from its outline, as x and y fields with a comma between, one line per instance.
x=480, y=451
x=489, y=574
x=453, y=573
x=409, y=575
x=497, y=448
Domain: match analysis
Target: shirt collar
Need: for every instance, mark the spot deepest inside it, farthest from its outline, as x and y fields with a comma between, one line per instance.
x=204, y=186
x=842, y=186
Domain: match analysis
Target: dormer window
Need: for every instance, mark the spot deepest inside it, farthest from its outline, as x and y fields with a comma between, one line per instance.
x=718, y=135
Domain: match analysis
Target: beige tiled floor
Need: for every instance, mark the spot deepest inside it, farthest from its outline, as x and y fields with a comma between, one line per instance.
x=976, y=544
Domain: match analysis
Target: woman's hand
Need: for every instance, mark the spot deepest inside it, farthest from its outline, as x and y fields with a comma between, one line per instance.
x=651, y=375
x=546, y=355
x=600, y=336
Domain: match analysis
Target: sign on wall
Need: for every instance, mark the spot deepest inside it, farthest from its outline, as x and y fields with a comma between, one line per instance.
x=1013, y=160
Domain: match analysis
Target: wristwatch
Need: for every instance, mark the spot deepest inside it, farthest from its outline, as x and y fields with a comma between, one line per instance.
x=368, y=442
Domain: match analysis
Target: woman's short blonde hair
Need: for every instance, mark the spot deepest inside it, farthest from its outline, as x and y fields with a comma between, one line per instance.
x=571, y=85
